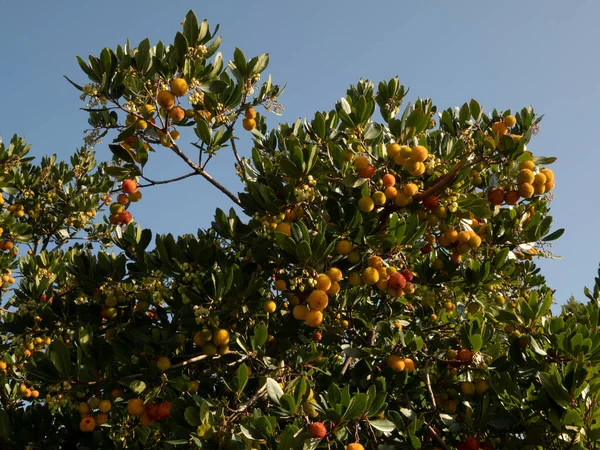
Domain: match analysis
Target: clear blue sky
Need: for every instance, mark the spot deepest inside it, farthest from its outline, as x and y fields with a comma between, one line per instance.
x=506, y=54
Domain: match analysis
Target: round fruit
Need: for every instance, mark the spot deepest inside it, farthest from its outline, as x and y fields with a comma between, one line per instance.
x=105, y=406
x=539, y=178
x=525, y=176
x=165, y=99
x=355, y=446
x=87, y=424
x=409, y=365
x=388, y=180
x=249, y=124
x=163, y=363
x=464, y=355
x=179, y=87
x=467, y=388
x=474, y=241
x=526, y=190
x=370, y=275
x=334, y=289
x=129, y=186
x=250, y=113
x=367, y=172
x=280, y=285
x=395, y=363
x=101, y=418
x=202, y=337
x=313, y=318
x=430, y=202
x=379, y=198
x=393, y=149
x=343, y=247
x=390, y=192
x=366, y=204
x=512, y=197
x=221, y=337
x=334, y=274
x=317, y=430
x=284, y=228
x=548, y=173
x=323, y=282
x=402, y=199
x=510, y=121
x=269, y=306
x=318, y=300
x=527, y=165
x=496, y=196
x=354, y=279
x=299, y=312
x=500, y=128
x=419, y=153
x=209, y=349
x=135, y=407
x=177, y=113
x=361, y=162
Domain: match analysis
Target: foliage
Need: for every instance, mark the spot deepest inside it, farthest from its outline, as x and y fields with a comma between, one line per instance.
x=378, y=288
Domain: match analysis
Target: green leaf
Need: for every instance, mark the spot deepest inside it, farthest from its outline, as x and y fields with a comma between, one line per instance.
x=240, y=62
x=356, y=407
x=383, y=425
x=260, y=334
x=274, y=390
x=242, y=377
x=61, y=358
x=258, y=64
x=142, y=56
x=476, y=342
x=213, y=87
x=204, y=132
x=288, y=403
x=137, y=386
x=190, y=28
x=554, y=235
x=553, y=386
x=192, y=416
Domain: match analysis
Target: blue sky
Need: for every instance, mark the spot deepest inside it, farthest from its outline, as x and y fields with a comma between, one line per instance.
x=504, y=54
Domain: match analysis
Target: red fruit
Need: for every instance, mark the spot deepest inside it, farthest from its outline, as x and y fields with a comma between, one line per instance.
x=431, y=202
x=471, y=444
x=317, y=336
x=496, y=196
x=397, y=281
x=317, y=430
x=407, y=274
x=125, y=217
x=43, y=298
x=103, y=313
x=426, y=249
x=164, y=410
x=152, y=411
x=461, y=446
x=114, y=219
x=367, y=172
x=129, y=186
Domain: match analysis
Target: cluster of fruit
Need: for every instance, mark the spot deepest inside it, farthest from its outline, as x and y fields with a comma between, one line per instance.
x=131, y=193
x=318, y=430
x=27, y=392
x=398, y=364
x=387, y=279
x=325, y=284
x=411, y=159
x=149, y=413
x=212, y=342
x=249, y=121
x=35, y=345
x=93, y=413
x=461, y=242
x=529, y=183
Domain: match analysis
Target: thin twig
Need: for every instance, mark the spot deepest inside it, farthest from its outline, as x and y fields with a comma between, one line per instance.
x=154, y=183
x=200, y=171
x=237, y=157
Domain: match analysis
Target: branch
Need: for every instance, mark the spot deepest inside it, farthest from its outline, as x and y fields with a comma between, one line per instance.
x=154, y=183
x=200, y=171
x=237, y=157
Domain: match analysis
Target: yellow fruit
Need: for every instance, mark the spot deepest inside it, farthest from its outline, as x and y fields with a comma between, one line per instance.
x=405, y=152
x=165, y=99
x=510, y=121
x=179, y=87
x=370, y=275
x=209, y=349
x=375, y=261
x=393, y=149
x=474, y=241
x=539, y=189
x=526, y=190
x=419, y=153
x=500, y=128
x=467, y=388
x=135, y=407
x=280, y=285
x=549, y=186
x=390, y=192
x=163, y=363
x=269, y=306
x=249, y=124
x=548, y=173
x=463, y=237
x=525, y=176
x=481, y=386
x=284, y=228
x=334, y=289
x=382, y=285
x=84, y=408
x=354, y=257
x=299, y=312
x=145, y=421
x=3, y=366
x=540, y=178
x=147, y=110
x=318, y=300
x=202, y=337
x=452, y=354
x=194, y=388
x=361, y=162
x=395, y=363
x=420, y=170
x=354, y=279
x=409, y=365
x=101, y=418
x=334, y=274
x=402, y=199
x=527, y=165
x=379, y=198
x=220, y=337
x=355, y=446
x=250, y=113
x=323, y=282
x=343, y=247
x=313, y=318
x=105, y=406
x=141, y=125
x=366, y=204
x=223, y=349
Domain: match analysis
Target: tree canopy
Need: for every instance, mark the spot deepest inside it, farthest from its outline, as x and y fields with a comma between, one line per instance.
x=373, y=285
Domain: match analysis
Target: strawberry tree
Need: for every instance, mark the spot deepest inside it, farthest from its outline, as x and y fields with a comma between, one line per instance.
x=373, y=286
